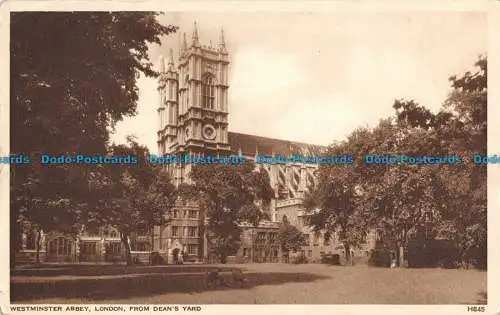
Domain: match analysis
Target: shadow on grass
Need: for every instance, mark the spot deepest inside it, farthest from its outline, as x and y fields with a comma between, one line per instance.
x=139, y=284
x=483, y=298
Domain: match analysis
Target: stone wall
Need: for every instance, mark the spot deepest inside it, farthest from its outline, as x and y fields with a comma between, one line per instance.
x=28, y=257
x=141, y=258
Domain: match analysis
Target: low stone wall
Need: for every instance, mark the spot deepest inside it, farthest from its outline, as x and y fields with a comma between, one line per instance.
x=26, y=257
x=142, y=258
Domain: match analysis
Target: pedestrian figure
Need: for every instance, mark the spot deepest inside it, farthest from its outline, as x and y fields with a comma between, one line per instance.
x=180, y=258
x=393, y=260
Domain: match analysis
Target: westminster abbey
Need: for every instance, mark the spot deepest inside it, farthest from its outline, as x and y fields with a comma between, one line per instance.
x=193, y=119
x=193, y=113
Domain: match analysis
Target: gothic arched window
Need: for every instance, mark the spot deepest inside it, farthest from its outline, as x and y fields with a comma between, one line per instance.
x=208, y=91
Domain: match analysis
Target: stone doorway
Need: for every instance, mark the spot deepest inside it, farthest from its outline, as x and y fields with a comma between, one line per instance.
x=175, y=255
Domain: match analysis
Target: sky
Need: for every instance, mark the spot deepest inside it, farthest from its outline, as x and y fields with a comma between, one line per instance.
x=315, y=77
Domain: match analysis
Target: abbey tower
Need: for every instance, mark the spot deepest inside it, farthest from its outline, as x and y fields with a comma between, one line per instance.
x=193, y=120
x=193, y=101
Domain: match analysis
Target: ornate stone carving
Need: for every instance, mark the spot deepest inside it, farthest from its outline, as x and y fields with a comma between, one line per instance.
x=209, y=67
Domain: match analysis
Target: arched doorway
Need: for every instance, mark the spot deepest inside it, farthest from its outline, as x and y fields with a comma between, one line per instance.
x=175, y=255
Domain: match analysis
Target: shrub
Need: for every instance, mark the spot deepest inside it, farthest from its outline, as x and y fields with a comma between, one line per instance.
x=433, y=253
x=331, y=259
x=362, y=259
x=157, y=259
x=343, y=261
x=380, y=258
x=300, y=259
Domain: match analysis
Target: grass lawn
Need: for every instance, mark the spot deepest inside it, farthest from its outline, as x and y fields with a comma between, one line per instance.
x=267, y=284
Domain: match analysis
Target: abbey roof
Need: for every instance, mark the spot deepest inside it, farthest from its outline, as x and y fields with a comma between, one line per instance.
x=251, y=145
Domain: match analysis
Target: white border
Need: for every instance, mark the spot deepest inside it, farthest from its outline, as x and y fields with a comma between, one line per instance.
x=493, y=7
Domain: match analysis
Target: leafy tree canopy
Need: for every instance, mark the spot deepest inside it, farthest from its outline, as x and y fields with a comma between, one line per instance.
x=73, y=76
x=290, y=237
x=401, y=200
x=231, y=195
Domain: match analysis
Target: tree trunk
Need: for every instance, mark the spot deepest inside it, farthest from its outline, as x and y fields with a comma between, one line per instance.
x=126, y=244
x=152, y=235
x=14, y=241
x=401, y=256
x=160, y=236
x=223, y=258
x=284, y=255
x=13, y=257
x=38, y=243
x=348, y=255
x=403, y=245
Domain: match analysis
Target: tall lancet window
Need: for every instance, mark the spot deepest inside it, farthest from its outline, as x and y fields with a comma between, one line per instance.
x=208, y=91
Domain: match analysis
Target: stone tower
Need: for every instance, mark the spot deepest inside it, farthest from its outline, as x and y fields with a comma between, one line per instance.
x=193, y=102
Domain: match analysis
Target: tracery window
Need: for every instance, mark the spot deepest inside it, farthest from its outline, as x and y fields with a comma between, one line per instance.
x=193, y=231
x=208, y=91
x=175, y=231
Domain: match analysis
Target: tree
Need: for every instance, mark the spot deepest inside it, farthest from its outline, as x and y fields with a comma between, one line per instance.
x=71, y=81
x=76, y=76
x=402, y=200
x=130, y=197
x=230, y=195
x=42, y=203
x=466, y=132
x=290, y=238
x=444, y=200
x=337, y=198
x=160, y=199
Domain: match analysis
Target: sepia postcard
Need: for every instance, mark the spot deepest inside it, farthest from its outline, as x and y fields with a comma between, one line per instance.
x=224, y=156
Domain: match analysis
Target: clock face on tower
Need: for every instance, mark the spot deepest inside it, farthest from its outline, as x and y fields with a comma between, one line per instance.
x=209, y=132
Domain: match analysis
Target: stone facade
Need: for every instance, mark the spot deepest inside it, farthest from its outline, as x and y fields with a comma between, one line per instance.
x=193, y=108
x=259, y=244
x=183, y=234
x=102, y=246
x=192, y=115
x=316, y=245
